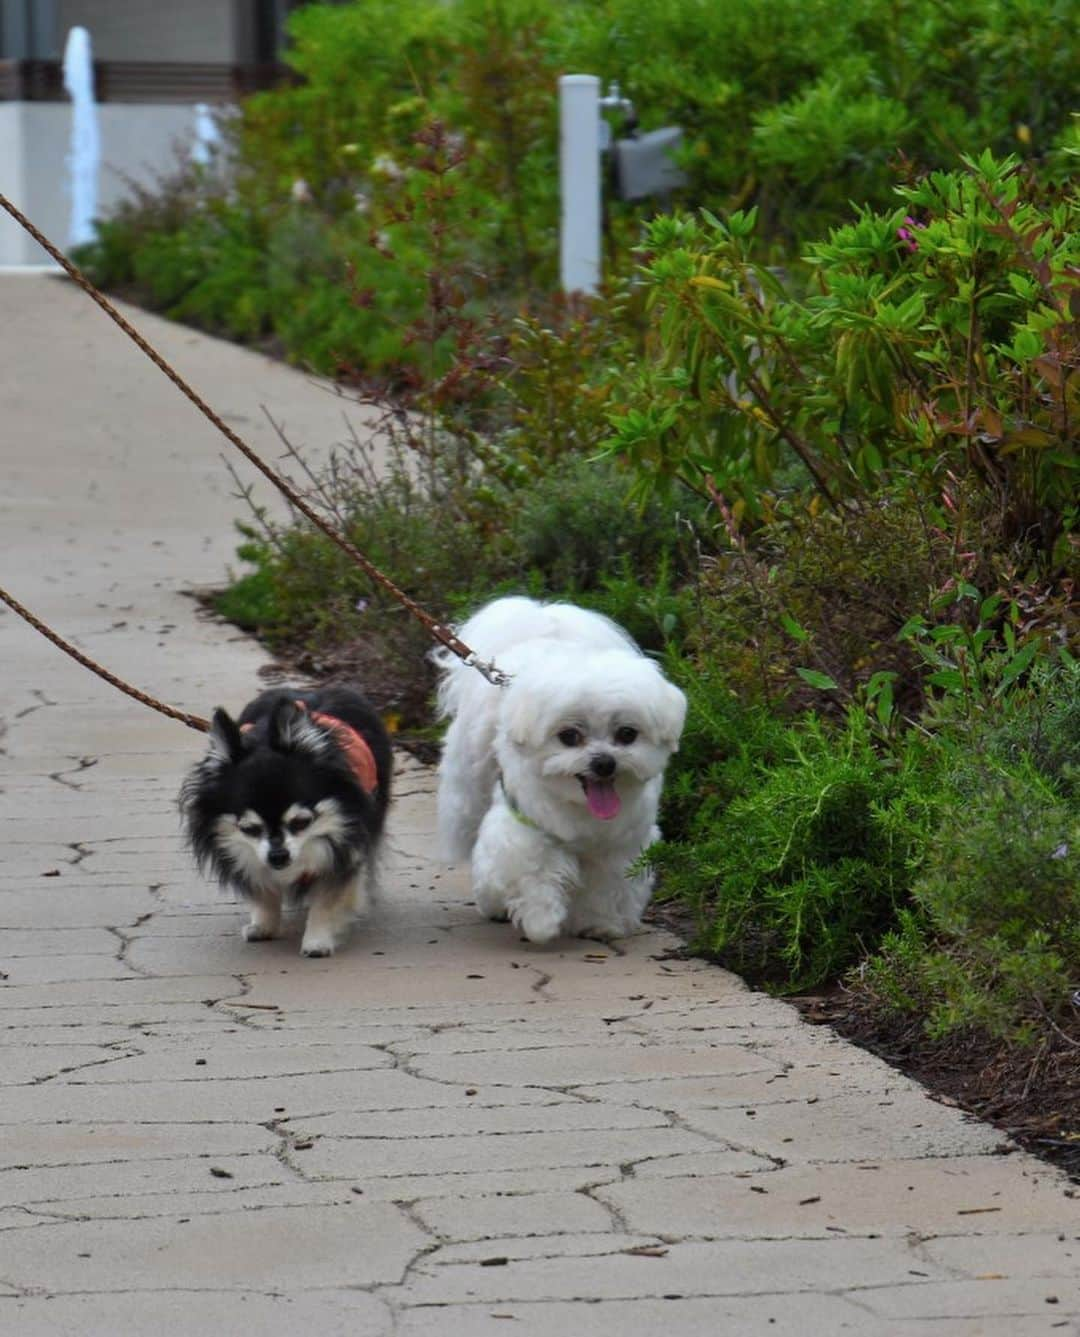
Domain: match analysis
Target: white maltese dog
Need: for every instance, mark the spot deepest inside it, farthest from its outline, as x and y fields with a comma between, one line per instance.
x=551, y=784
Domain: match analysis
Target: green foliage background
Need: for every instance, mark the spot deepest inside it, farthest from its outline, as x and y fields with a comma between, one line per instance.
x=793, y=111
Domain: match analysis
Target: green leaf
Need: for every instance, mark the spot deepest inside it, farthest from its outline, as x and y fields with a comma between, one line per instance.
x=884, y=705
x=793, y=629
x=951, y=680
x=1016, y=666
x=1026, y=345
x=821, y=681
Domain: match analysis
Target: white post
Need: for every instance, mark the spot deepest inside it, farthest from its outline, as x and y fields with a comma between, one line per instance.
x=85, y=157
x=207, y=138
x=579, y=176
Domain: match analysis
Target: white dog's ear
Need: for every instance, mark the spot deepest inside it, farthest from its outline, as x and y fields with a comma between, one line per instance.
x=522, y=718
x=670, y=709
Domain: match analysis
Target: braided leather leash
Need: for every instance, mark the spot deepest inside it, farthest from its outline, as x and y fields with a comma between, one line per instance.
x=192, y=721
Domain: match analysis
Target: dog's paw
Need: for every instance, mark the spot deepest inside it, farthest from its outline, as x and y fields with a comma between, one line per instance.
x=539, y=926
x=317, y=947
x=254, y=932
x=609, y=931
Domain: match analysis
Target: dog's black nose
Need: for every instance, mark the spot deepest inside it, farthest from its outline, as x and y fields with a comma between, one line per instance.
x=602, y=765
x=278, y=856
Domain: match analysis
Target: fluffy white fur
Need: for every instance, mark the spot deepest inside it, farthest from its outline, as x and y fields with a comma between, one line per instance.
x=532, y=773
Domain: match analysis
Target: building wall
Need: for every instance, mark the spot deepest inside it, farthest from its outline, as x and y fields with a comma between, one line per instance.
x=138, y=143
x=192, y=30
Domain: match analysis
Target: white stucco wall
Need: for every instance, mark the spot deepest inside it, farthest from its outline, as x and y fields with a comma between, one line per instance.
x=137, y=143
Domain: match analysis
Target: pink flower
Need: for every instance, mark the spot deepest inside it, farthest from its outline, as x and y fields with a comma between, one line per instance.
x=907, y=236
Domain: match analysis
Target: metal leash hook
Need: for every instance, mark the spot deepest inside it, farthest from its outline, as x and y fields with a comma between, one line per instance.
x=440, y=633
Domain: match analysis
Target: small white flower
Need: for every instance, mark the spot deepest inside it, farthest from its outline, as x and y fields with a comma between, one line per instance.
x=385, y=165
x=362, y=202
x=301, y=191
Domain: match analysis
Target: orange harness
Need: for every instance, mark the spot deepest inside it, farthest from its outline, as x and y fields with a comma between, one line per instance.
x=359, y=755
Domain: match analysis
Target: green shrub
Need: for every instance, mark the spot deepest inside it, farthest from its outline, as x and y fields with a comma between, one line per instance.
x=927, y=352
x=794, y=114
x=794, y=844
x=577, y=526
x=992, y=937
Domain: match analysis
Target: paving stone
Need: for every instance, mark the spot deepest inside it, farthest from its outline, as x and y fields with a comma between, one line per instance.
x=59, y=969
x=730, y=1267
x=905, y=1123
x=313, y=1246
x=1005, y=1255
x=924, y=1197
x=476, y=1180
x=127, y=992
x=182, y=1312
x=776, y=1316
x=17, y=943
x=553, y=1115
x=571, y=1067
x=233, y=1057
x=518, y=1214
x=40, y=1144
x=753, y=1090
x=991, y=1297
x=26, y=1063
x=358, y=1157
x=119, y=1181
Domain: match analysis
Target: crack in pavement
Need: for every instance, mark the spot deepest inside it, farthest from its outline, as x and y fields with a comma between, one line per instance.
x=83, y=764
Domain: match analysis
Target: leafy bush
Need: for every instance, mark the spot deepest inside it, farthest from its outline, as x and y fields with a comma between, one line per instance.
x=992, y=938
x=931, y=345
x=780, y=116
x=793, y=843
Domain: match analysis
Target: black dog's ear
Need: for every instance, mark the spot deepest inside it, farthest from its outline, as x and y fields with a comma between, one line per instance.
x=285, y=723
x=226, y=741
x=293, y=730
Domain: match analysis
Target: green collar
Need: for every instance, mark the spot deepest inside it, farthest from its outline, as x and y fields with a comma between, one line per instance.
x=518, y=815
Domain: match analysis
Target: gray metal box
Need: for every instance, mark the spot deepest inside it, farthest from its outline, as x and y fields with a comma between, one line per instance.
x=646, y=165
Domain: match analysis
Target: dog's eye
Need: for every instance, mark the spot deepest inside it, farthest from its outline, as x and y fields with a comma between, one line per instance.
x=298, y=824
x=571, y=737
x=251, y=828
x=625, y=735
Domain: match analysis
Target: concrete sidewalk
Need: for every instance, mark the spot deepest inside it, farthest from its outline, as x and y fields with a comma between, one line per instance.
x=441, y=1130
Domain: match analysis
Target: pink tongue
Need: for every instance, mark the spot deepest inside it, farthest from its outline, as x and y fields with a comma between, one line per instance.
x=602, y=799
